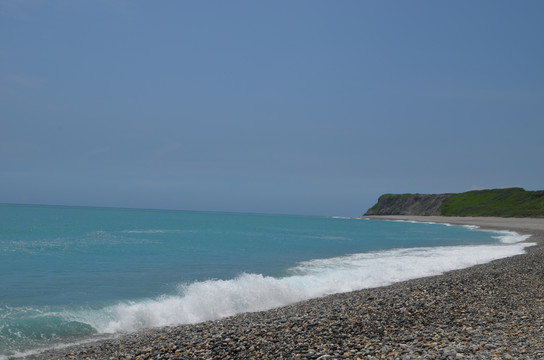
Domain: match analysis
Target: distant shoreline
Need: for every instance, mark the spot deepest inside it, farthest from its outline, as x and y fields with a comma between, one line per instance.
x=524, y=225
x=493, y=310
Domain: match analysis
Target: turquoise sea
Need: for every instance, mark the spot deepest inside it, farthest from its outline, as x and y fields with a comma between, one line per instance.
x=70, y=274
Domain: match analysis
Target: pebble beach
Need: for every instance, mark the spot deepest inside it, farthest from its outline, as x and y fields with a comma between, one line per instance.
x=489, y=311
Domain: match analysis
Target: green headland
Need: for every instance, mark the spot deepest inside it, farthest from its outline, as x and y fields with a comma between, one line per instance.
x=510, y=202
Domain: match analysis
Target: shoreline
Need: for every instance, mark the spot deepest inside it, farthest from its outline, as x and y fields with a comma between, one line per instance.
x=490, y=310
x=523, y=225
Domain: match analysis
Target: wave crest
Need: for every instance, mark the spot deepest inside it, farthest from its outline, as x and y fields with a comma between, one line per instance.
x=215, y=299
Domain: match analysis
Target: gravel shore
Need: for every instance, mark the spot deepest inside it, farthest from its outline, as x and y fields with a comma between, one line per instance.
x=490, y=311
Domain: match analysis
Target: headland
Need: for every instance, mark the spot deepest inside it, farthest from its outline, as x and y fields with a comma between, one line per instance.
x=505, y=202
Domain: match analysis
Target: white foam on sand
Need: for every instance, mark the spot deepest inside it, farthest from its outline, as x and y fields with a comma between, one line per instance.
x=214, y=299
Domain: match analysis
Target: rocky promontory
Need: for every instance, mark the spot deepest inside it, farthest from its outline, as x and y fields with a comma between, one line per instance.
x=507, y=202
x=409, y=204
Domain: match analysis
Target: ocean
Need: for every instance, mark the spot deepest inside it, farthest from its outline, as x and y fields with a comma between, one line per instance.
x=73, y=274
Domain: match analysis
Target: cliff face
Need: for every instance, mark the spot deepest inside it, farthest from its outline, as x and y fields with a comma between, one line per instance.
x=408, y=204
x=505, y=202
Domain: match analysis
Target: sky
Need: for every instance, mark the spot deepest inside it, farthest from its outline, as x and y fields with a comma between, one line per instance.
x=283, y=107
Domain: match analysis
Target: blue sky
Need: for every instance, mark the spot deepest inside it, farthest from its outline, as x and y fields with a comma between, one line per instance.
x=296, y=107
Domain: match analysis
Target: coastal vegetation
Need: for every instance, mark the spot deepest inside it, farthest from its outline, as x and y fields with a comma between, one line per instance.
x=509, y=202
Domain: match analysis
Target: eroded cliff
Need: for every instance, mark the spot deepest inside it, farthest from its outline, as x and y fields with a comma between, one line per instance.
x=408, y=204
x=505, y=202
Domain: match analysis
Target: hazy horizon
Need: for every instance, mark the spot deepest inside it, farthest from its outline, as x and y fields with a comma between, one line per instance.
x=303, y=108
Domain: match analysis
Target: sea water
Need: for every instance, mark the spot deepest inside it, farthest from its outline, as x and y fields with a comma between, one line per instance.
x=70, y=274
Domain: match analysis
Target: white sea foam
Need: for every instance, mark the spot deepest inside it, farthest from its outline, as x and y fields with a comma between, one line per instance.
x=214, y=299
x=152, y=231
x=420, y=222
x=510, y=237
